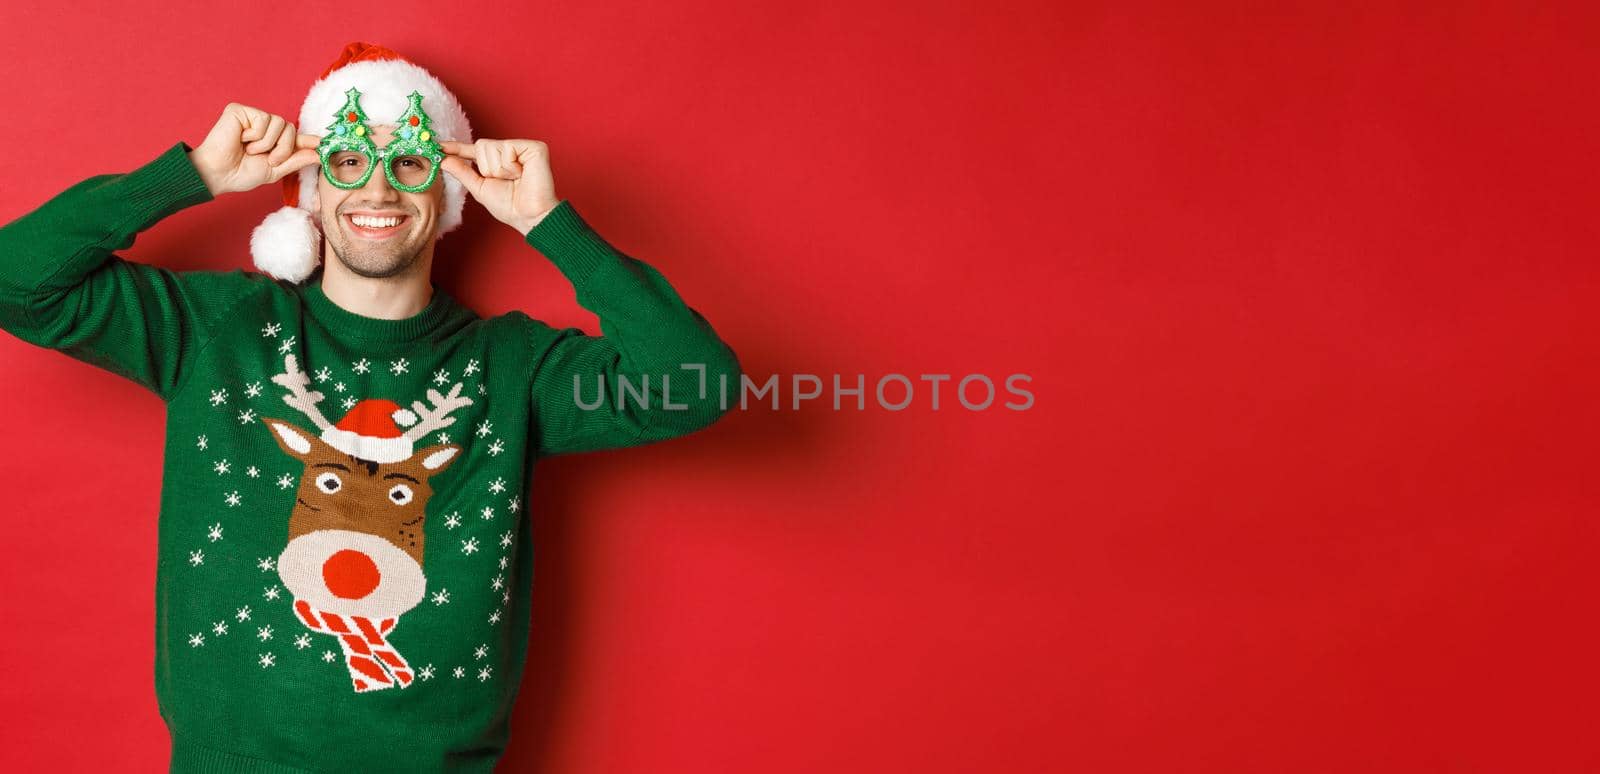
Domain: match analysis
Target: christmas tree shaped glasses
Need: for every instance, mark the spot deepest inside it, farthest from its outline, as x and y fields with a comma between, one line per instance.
x=410, y=160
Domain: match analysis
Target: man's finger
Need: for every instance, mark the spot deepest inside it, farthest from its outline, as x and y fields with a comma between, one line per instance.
x=307, y=141
x=252, y=121
x=529, y=150
x=463, y=171
x=301, y=159
x=268, y=136
x=284, y=147
x=462, y=149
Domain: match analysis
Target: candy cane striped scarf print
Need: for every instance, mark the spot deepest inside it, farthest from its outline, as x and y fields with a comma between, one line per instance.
x=374, y=664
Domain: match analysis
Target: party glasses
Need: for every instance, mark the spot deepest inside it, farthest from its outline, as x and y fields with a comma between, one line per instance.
x=410, y=160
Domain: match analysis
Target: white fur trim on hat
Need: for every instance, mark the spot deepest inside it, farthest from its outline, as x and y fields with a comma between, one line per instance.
x=385, y=86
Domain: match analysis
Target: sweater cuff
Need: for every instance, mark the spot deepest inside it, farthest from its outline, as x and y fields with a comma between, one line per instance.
x=164, y=186
x=570, y=243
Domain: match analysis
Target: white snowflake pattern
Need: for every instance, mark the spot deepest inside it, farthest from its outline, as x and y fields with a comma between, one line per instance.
x=505, y=597
x=339, y=386
x=242, y=614
x=220, y=466
x=425, y=673
x=361, y=366
x=197, y=557
x=494, y=617
x=505, y=539
x=219, y=397
x=233, y=499
x=286, y=346
x=480, y=651
x=482, y=390
x=253, y=472
x=498, y=583
x=202, y=443
x=452, y=520
x=303, y=641
x=323, y=374
x=488, y=511
x=267, y=659
x=496, y=447
x=441, y=376
x=498, y=485
x=247, y=416
x=264, y=563
x=398, y=367
x=458, y=672
x=443, y=437
x=472, y=368
x=503, y=561
x=347, y=403
x=441, y=597
x=483, y=428
x=327, y=656
x=285, y=481
x=265, y=632
x=252, y=390
x=219, y=628
x=469, y=546
x=271, y=330
x=483, y=674
x=196, y=640
x=215, y=532
x=270, y=592
x=516, y=503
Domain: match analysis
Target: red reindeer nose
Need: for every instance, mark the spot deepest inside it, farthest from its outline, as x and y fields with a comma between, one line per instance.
x=350, y=574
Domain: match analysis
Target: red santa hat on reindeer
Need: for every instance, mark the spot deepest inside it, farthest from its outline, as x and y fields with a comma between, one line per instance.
x=287, y=244
x=372, y=430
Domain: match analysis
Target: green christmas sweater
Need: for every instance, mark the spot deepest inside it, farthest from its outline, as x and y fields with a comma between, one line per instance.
x=344, y=559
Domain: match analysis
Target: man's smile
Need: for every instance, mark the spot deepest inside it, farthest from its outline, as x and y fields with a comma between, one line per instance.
x=375, y=226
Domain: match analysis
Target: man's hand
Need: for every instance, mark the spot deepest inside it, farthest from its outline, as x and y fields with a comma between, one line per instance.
x=250, y=147
x=512, y=181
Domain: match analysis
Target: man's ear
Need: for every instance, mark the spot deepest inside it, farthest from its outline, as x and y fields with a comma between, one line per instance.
x=294, y=441
x=435, y=459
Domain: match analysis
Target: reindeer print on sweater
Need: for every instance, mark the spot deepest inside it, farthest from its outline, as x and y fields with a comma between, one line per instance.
x=354, y=561
x=354, y=451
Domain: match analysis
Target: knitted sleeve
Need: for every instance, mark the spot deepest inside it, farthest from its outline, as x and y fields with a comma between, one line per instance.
x=63, y=287
x=657, y=370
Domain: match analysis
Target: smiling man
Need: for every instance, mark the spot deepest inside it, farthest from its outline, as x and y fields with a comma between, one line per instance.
x=381, y=231
x=344, y=557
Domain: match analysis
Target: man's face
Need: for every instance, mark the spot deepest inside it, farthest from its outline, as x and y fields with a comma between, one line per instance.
x=375, y=250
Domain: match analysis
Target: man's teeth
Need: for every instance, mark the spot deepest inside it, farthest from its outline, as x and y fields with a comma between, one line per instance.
x=365, y=221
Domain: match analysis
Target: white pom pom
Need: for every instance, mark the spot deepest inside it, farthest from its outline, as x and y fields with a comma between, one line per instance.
x=285, y=244
x=404, y=417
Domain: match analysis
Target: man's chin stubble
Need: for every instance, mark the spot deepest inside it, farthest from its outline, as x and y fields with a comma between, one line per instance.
x=383, y=271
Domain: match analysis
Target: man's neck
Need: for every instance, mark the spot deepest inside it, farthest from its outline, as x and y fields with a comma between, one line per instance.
x=385, y=298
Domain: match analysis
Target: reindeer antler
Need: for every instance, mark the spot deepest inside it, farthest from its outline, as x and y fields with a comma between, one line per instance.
x=437, y=417
x=296, y=381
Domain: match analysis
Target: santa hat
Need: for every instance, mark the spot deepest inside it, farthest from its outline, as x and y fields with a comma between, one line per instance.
x=287, y=245
x=371, y=431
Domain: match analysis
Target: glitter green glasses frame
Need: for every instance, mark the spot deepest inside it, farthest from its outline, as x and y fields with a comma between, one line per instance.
x=349, y=155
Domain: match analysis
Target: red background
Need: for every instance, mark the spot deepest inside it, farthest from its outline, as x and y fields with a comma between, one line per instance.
x=1307, y=298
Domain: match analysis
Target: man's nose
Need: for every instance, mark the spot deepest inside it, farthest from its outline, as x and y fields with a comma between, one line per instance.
x=378, y=184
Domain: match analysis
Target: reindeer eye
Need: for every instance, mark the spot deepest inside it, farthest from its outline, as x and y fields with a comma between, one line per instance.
x=400, y=494
x=329, y=482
